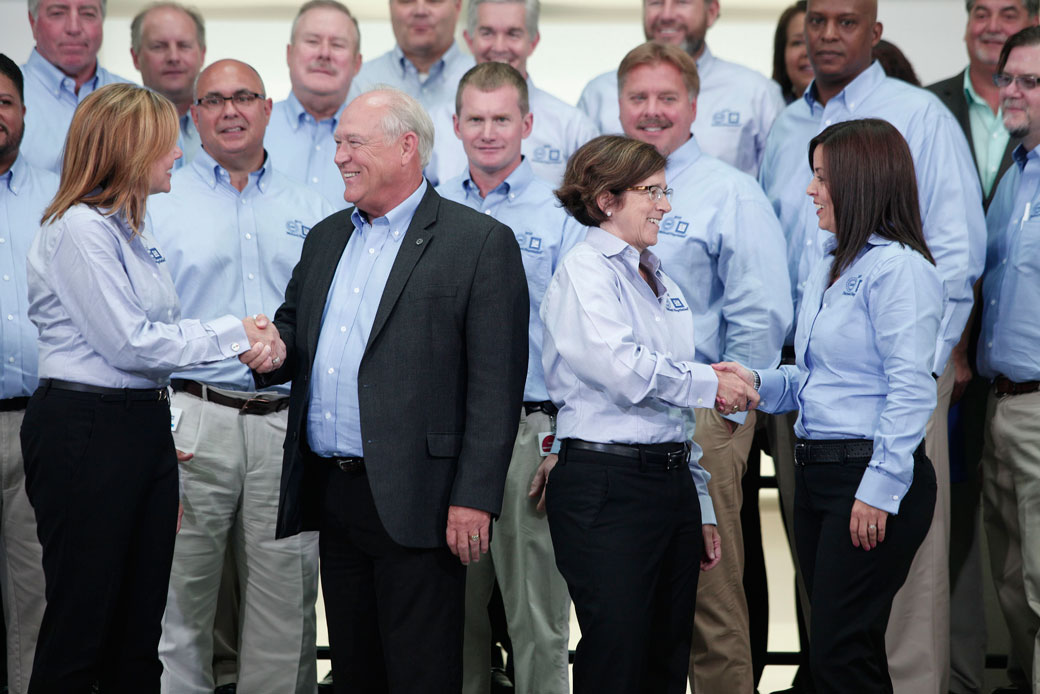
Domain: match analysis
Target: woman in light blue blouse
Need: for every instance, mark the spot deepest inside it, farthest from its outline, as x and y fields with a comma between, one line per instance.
x=863, y=384
x=100, y=466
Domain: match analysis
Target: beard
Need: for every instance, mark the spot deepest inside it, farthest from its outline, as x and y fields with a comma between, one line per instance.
x=11, y=142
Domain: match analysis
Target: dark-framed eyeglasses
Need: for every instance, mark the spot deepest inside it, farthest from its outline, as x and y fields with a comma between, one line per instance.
x=241, y=98
x=655, y=192
x=1025, y=82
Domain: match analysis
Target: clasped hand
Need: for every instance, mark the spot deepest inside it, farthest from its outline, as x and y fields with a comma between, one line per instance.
x=267, y=351
x=736, y=391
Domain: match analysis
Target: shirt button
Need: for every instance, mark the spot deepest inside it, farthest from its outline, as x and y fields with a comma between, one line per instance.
x=343, y=328
x=992, y=302
x=1004, y=261
x=328, y=415
x=396, y=234
x=243, y=201
x=10, y=360
x=331, y=371
x=234, y=346
x=895, y=497
x=251, y=275
x=487, y=211
x=357, y=290
x=512, y=196
x=2, y=239
x=371, y=251
x=828, y=121
x=700, y=401
x=825, y=304
x=317, y=148
x=7, y=278
x=657, y=318
x=155, y=275
x=249, y=236
x=314, y=180
x=989, y=344
x=10, y=316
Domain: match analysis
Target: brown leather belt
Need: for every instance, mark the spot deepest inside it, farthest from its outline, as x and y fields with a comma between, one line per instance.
x=1002, y=385
x=258, y=406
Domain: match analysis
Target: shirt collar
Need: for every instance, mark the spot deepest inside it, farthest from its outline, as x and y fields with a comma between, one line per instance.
x=210, y=171
x=856, y=91
x=514, y=185
x=15, y=178
x=297, y=113
x=610, y=246
x=187, y=124
x=402, y=61
x=969, y=90
x=52, y=76
x=399, y=217
x=1021, y=155
x=706, y=60
x=875, y=240
x=680, y=159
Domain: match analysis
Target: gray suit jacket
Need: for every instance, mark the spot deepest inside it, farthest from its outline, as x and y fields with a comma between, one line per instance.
x=951, y=93
x=440, y=384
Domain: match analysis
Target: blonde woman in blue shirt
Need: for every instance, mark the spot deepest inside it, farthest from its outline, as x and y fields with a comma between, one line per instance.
x=100, y=464
x=865, y=343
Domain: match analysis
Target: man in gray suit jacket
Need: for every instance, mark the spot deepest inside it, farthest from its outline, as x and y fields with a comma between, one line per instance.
x=405, y=324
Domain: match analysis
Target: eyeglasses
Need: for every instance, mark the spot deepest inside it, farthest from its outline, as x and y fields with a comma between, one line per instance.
x=242, y=98
x=655, y=192
x=1025, y=82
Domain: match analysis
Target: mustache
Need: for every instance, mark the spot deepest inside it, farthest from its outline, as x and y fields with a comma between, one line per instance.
x=654, y=122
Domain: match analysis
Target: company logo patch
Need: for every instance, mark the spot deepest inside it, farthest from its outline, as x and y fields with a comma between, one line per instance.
x=726, y=118
x=297, y=228
x=156, y=255
x=852, y=285
x=674, y=225
x=547, y=154
x=529, y=243
x=676, y=304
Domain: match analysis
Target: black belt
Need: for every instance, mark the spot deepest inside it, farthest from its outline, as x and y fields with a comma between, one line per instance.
x=545, y=406
x=108, y=394
x=346, y=464
x=13, y=404
x=835, y=452
x=1002, y=385
x=259, y=406
x=665, y=455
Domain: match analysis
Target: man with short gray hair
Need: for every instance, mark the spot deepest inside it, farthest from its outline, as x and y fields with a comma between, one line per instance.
x=168, y=46
x=406, y=328
x=61, y=71
x=324, y=55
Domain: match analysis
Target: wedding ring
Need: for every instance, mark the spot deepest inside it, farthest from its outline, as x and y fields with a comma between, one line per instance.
x=474, y=538
x=871, y=527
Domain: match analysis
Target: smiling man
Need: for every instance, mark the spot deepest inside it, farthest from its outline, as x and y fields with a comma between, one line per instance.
x=406, y=328
x=737, y=105
x=324, y=55
x=232, y=229
x=426, y=63
x=61, y=71
x=723, y=246
x=848, y=85
x=168, y=46
x=492, y=123
x=506, y=31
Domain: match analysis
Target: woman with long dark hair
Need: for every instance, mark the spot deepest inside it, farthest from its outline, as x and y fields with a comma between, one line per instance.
x=864, y=343
x=791, y=68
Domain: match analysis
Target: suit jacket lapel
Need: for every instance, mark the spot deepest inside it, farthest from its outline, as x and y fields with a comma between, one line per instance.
x=414, y=243
x=321, y=281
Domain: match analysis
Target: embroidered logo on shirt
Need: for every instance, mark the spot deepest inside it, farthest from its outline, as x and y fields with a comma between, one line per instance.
x=726, y=118
x=852, y=285
x=674, y=226
x=676, y=304
x=547, y=154
x=156, y=255
x=529, y=242
x=297, y=228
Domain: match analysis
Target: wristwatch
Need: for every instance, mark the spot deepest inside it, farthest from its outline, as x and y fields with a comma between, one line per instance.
x=758, y=380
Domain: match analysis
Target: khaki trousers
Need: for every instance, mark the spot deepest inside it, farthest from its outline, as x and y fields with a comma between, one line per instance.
x=533, y=591
x=720, y=657
x=918, y=636
x=230, y=496
x=1011, y=509
x=21, y=558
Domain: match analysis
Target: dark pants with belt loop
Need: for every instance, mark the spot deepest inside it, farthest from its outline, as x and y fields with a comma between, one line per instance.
x=628, y=541
x=101, y=474
x=851, y=590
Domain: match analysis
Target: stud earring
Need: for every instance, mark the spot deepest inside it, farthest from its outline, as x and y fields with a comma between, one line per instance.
x=609, y=213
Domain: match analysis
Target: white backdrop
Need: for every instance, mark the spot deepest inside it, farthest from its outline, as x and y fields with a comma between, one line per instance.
x=571, y=52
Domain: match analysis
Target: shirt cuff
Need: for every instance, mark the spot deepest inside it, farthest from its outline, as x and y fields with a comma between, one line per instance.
x=738, y=418
x=230, y=335
x=707, y=510
x=771, y=389
x=880, y=489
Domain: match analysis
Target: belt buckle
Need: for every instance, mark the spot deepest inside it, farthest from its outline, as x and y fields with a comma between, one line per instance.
x=678, y=458
x=252, y=405
x=164, y=395
x=801, y=453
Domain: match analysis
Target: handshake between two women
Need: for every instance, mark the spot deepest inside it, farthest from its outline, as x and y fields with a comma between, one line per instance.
x=736, y=392
x=266, y=349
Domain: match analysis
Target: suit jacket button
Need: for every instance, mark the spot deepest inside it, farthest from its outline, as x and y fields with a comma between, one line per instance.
x=418, y=242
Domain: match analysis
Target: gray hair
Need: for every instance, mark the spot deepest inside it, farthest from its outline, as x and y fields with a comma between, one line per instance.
x=332, y=5
x=34, y=8
x=532, y=8
x=138, y=21
x=405, y=115
x=1032, y=7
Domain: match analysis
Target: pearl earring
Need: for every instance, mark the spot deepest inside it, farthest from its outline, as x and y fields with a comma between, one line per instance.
x=609, y=213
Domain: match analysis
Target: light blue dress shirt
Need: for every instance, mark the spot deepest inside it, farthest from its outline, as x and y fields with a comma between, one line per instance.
x=394, y=69
x=950, y=194
x=305, y=149
x=723, y=246
x=25, y=192
x=736, y=108
x=1010, y=341
x=334, y=413
x=618, y=359
x=50, y=101
x=106, y=308
x=544, y=232
x=558, y=131
x=864, y=348
x=188, y=140
x=230, y=251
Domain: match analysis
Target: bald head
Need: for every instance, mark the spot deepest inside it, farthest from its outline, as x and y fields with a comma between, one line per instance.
x=229, y=66
x=231, y=113
x=840, y=37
